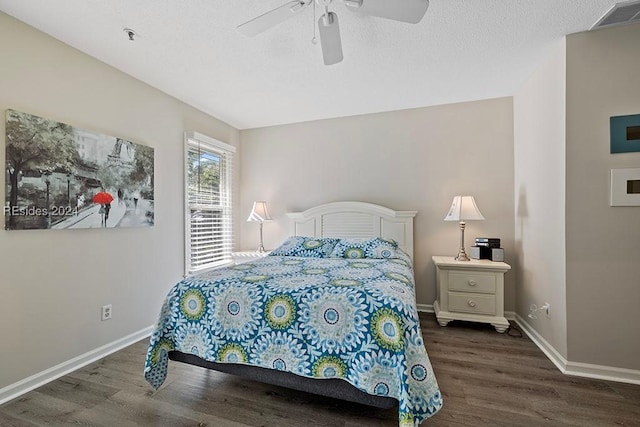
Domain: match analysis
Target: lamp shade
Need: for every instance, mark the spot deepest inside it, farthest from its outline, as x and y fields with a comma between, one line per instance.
x=463, y=208
x=259, y=213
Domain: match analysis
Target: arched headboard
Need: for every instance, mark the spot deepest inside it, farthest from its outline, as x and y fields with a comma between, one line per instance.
x=355, y=219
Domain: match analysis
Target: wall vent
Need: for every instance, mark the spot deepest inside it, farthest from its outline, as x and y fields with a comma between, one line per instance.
x=622, y=13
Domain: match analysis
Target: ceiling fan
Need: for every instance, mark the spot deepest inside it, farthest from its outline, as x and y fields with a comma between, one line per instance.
x=410, y=11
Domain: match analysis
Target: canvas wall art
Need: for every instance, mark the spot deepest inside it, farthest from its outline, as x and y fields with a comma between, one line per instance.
x=59, y=176
x=625, y=133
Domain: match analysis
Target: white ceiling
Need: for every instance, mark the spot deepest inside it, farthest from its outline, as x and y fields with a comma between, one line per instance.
x=462, y=50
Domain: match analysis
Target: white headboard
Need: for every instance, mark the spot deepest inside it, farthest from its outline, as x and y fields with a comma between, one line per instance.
x=355, y=219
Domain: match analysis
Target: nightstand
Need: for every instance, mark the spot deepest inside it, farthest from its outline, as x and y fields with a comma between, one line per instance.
x=246, y=256
x=470, y=290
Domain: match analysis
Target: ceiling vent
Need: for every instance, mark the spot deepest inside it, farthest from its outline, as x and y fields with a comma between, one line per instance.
x=622, y=13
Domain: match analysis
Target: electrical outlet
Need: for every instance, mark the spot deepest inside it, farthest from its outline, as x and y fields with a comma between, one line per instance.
x=534, y=309
x=547, y=310
x=106, y=312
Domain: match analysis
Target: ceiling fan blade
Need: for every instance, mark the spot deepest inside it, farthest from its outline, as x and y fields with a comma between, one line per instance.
x=273, y=17
x=330, y=38
x=411, y=11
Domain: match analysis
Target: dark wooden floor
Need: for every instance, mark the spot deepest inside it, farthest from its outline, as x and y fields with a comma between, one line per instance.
x=487, y=379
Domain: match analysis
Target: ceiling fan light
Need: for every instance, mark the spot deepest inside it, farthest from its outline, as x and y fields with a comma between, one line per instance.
x=328, y=19
x=329, y=30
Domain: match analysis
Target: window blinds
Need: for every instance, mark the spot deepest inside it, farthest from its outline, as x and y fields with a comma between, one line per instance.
x=209, y=225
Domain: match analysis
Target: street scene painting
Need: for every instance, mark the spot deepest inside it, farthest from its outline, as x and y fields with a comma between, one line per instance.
x=59, y=176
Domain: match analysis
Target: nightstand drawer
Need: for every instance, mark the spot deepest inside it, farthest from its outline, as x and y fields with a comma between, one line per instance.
x=472, y=303
x=472, y=282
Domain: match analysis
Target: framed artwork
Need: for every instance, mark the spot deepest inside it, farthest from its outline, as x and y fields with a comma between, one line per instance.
x=625, y=133
x=625, y=187
x=59, y=176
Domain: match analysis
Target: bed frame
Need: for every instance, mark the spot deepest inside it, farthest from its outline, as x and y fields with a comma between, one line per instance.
x=341, y=220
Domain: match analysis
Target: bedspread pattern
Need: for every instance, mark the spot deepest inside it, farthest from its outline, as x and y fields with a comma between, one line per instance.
x=315, y=317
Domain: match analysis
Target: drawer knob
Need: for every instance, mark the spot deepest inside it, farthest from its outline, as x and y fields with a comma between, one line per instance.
x=471, y=303
x=472, y=283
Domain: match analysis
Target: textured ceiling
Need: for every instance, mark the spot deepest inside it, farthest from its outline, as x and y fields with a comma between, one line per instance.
x=462, y=50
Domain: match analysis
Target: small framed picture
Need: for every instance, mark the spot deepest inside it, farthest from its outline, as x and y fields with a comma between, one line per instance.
x=625, y=133
x=625, y=187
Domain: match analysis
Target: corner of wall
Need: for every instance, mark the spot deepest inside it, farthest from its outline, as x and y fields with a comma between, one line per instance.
x=539, y=143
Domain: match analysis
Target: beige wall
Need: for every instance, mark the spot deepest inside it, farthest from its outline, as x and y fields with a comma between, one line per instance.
x=53, y=282
x=603, y=242
x=539, y=181
x=407, y=160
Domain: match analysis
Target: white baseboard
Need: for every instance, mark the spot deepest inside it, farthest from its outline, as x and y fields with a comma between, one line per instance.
x=12, y=391
x=578, y=369
x=425, y=308
x=608, y=373
x=549, y=350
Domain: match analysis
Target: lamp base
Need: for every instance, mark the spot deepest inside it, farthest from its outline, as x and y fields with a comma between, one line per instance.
x=462, y=256
x=261, y=246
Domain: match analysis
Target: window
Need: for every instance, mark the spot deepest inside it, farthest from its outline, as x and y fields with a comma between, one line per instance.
x=208, y=207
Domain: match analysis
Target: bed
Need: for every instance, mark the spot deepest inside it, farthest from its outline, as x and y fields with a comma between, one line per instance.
x=332, y=311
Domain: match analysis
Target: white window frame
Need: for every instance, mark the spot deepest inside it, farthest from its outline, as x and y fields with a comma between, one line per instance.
x=209, y=144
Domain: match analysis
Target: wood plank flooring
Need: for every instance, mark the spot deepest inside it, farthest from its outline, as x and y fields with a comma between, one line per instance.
x=486, y=378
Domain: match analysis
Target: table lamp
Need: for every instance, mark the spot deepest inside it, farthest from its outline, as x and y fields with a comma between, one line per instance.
x=463, y=208
x=260, y=214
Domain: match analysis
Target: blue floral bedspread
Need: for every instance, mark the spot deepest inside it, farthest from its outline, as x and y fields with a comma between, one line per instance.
x=315, y=317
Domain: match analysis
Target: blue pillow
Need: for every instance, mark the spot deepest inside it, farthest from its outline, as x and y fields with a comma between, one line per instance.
x=365, y=248
x=306, y=247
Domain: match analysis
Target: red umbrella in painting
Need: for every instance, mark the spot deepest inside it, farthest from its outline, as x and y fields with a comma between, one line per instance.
x=102, y=198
